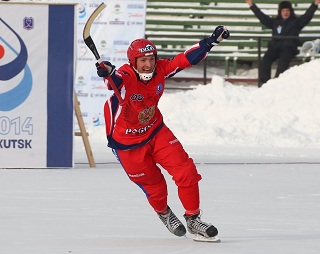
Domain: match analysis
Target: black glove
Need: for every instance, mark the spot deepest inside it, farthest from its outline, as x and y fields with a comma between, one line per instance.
x=104, y=69
x=220, y=33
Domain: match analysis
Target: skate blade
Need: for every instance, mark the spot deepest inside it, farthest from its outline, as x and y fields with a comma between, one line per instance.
x=201, y=238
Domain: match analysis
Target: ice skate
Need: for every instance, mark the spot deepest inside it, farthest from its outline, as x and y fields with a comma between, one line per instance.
x=204, y=232
x=173, y=224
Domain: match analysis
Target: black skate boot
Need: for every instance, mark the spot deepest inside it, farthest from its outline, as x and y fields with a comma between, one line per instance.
x=203, y=231
x=171, y=221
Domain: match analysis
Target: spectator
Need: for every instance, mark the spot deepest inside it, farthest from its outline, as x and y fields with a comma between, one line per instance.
x=286, y=23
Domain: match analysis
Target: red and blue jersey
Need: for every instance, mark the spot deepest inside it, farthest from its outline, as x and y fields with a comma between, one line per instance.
x=138, y=119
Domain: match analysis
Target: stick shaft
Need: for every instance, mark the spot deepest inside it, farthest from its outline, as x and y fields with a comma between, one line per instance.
x=91, y=45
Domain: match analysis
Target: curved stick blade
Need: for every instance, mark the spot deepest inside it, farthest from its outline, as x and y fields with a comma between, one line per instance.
x=86, y=30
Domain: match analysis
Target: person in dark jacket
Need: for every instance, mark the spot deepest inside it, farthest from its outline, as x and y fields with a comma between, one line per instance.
x=286, y=23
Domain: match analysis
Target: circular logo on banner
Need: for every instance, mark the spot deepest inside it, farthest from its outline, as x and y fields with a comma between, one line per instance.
x=14, y=97
x=81, y=11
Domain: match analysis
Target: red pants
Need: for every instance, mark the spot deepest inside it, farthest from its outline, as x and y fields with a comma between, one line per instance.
x=164, y=149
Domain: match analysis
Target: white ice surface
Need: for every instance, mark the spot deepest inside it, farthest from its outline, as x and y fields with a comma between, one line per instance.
x=256, y=149
x=257, y=208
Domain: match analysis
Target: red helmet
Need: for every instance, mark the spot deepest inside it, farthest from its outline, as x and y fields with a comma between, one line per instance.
x=140, y=47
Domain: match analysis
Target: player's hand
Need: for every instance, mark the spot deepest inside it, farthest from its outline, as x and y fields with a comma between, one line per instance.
x=220, y=33
x=104, y=69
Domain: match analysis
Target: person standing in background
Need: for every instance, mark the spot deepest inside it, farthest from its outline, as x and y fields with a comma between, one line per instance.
x=286, y=23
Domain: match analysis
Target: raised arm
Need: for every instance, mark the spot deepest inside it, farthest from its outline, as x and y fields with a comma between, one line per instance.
x=264, y=19
x=308, y=15
x=199, y=51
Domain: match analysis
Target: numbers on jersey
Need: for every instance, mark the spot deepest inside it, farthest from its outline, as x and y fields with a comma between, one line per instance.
x=136, y=97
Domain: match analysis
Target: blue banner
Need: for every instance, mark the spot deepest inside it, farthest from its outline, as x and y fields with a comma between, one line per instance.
x=60, y=86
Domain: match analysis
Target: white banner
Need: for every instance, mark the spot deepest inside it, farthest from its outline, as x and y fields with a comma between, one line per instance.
x=32, y=74
x=18, y=118
x=37, y=73
x=119, y=23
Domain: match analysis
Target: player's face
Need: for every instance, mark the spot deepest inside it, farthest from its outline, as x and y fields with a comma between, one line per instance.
x=145, y=64
x=285, y=13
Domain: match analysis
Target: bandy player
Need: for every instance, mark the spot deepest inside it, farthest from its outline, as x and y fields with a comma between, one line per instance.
x=141, y=140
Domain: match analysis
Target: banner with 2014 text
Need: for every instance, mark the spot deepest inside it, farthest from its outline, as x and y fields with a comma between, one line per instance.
x=37, y=65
